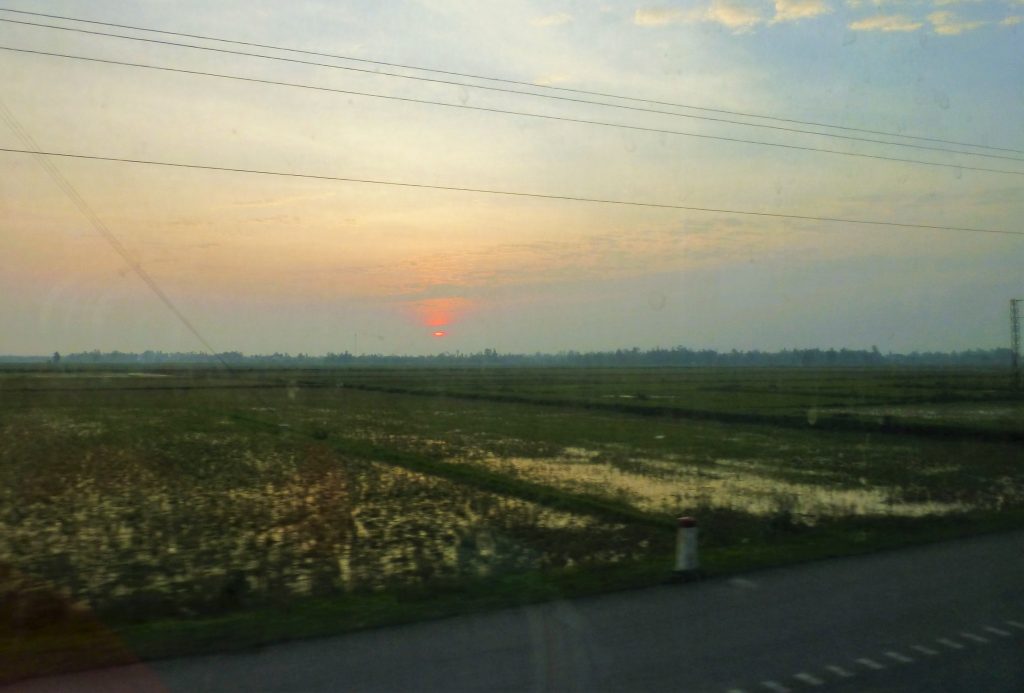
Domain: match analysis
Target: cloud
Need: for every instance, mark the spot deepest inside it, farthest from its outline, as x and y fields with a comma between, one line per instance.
x=556, y=19
x=737, y=16
x=794, y=10
x=879, y=3
x=279, y=201
x=660, y=16
x=886, y=22
x=484, y=272
x=1012, y=20
x=948, y=24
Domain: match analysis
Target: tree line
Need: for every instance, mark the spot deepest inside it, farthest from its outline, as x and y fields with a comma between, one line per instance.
x=634, y=357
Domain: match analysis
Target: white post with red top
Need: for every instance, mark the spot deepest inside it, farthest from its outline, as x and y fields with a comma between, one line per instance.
x=686, y=546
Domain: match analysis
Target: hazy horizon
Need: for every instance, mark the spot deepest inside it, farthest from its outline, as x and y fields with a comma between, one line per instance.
x=624, y=349
x=263, y=264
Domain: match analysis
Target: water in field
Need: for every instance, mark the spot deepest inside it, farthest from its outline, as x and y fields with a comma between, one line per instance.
x=671, y=486
x=203, y=521
x=1010, y=414
x=159, y=501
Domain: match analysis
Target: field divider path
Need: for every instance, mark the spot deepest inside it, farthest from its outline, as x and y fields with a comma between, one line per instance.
x=486, y=480
x=879, y=402
x=793, y=422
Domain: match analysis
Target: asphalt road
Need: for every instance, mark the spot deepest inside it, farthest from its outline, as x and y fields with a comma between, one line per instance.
x=944, y=617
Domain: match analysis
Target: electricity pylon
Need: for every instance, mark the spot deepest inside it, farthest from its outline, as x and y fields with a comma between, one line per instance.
x=1015, y=339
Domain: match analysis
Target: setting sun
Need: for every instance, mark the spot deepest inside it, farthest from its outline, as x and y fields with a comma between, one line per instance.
x=439, y=333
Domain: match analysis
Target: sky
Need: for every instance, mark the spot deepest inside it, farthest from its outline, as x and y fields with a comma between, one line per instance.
x=264, y=264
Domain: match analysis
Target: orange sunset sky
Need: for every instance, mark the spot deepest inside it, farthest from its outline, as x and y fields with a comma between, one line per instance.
x=266, y=263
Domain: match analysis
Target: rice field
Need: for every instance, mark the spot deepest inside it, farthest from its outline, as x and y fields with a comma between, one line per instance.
x=184, y=495
x=209, y=517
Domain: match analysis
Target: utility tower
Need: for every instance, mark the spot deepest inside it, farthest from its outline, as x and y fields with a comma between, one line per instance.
x=1015, y=339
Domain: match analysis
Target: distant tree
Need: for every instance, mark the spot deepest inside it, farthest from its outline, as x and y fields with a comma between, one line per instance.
x=56, y=358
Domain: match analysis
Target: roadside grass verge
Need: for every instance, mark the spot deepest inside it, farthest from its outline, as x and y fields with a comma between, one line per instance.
x=87, y=642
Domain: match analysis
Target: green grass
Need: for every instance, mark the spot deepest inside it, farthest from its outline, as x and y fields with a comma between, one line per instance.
x=839, y=398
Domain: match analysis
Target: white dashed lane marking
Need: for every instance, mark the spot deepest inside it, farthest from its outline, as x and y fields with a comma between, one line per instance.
x=810, y=680
x=898, y=657
x=839, y=671
x=870, y=663
x=972, y=636
x=999, y=631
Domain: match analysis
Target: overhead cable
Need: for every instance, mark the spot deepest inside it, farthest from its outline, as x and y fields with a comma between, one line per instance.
x=550, y=87
x=513, y=91
x=100, y=226
x=514, y=193
x=565, y=119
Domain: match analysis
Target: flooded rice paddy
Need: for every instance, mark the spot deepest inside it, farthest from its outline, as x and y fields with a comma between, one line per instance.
x=201, y=521
x=155, y=502
x=668, y=486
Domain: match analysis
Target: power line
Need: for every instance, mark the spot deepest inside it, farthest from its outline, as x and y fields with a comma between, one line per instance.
x=512, y=193
x=564, y=119
x=100, y=226
x=515, y=91
x=525, y=84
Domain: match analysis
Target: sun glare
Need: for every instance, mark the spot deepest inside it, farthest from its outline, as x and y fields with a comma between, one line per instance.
x=437, y=313
x=439, y=333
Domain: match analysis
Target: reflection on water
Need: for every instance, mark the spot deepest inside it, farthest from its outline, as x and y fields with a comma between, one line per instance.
x=212, y=521
x=156, y=510
x=671, y=486
x=954, y=413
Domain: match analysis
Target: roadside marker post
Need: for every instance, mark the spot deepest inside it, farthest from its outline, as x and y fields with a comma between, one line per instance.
x=687, y=563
